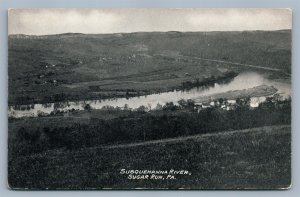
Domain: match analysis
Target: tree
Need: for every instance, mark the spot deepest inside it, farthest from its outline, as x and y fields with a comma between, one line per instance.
x=169, y=106
x=87, y=107
x=182, y=103
x=158, y=107
x=141, y=109
x=221, y=100
x=126, y=107
x=190, y=104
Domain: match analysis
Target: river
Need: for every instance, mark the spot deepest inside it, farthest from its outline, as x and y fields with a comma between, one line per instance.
x=242, y=81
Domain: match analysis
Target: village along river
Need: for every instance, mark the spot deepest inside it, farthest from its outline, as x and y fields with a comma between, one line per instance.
x=242, y=81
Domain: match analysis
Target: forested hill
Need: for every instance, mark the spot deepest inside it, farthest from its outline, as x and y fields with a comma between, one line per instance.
x=264, y=48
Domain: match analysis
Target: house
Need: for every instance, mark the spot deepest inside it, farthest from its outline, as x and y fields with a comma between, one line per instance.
x=230, y=107
x=231, y=101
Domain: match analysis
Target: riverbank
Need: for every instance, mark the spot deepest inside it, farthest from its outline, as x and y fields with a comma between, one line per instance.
x=95, y=92
x=258, y=91
x=87, y=67
x=86, y=128
x=147, y=102
x=246, y=84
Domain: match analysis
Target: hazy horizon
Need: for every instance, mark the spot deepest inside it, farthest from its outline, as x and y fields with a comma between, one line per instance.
x=109, y=21
x=145, y=32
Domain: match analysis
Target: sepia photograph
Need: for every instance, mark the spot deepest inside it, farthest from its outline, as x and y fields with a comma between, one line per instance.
x=116, y=99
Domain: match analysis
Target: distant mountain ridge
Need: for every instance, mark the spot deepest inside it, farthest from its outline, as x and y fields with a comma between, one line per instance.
x=153, y=32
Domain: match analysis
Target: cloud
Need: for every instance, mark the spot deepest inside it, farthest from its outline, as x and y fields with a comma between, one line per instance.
x=55, y=21
x=41, y=22
x=240, y=19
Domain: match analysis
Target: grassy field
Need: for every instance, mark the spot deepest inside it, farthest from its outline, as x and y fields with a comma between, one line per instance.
x=254, y=158
x=77, y=66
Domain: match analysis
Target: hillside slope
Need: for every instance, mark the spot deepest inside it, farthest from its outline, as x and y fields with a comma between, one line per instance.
x=257, y=158
x=79, y=66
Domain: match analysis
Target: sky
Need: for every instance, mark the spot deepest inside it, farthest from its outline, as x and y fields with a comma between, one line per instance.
x=97, y=21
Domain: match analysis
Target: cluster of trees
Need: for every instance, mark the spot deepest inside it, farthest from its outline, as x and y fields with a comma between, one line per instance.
x=142, y=126
x=23, y=107
x=63, y=97
x=209, y=81
x=21, y=100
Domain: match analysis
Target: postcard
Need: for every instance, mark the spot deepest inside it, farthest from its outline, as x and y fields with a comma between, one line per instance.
x=149, y=98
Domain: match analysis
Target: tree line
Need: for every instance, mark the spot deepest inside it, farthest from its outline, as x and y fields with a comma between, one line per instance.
x=136, y=126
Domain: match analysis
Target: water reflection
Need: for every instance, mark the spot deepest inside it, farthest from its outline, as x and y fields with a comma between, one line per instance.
x=242, y=81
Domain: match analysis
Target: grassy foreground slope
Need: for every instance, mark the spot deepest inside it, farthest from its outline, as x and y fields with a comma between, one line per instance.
x=253, y=158
x=79, y=66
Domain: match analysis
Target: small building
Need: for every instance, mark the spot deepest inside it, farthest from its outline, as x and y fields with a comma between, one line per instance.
x=231, y=101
